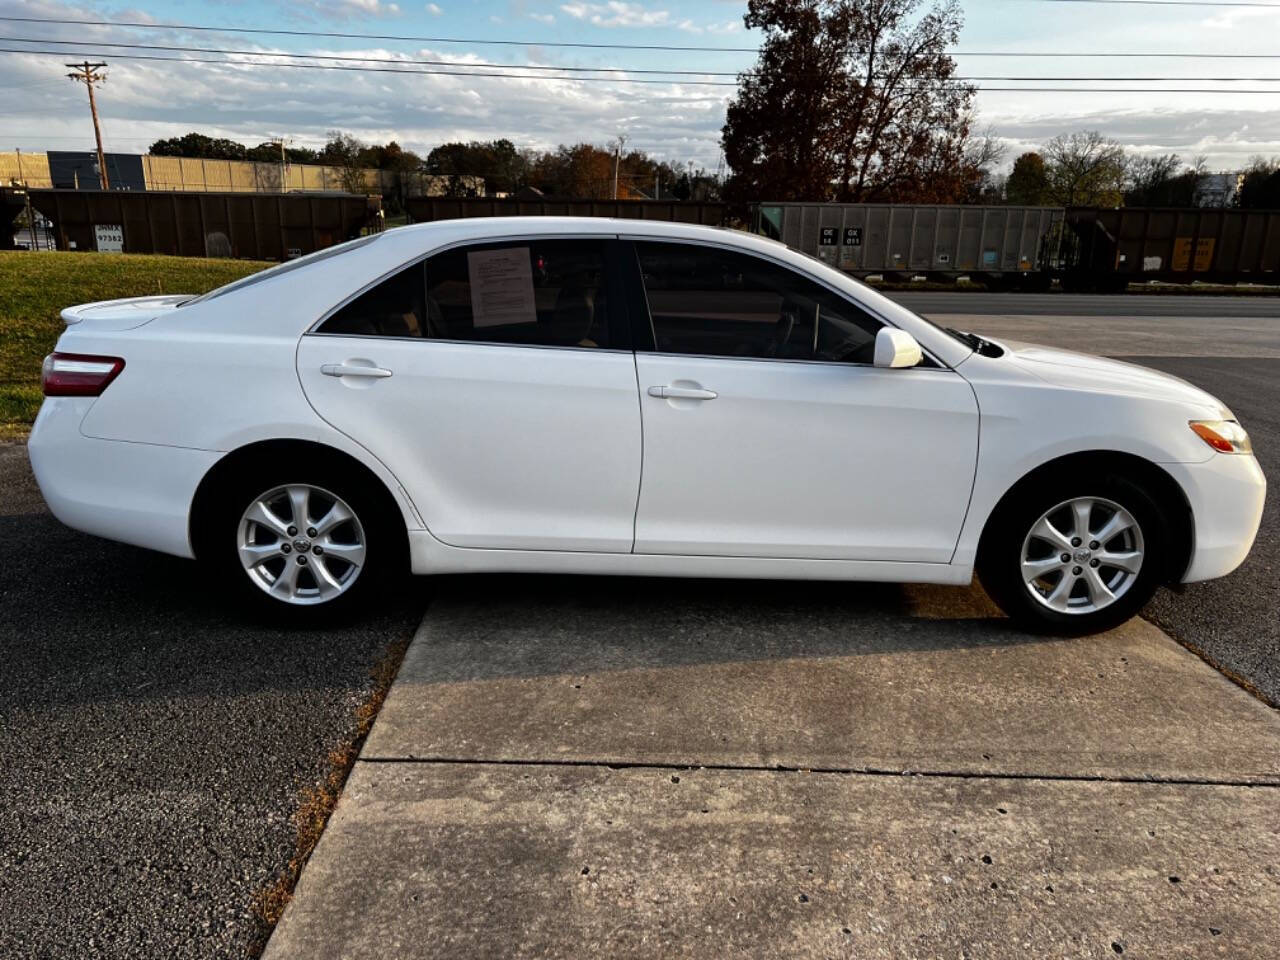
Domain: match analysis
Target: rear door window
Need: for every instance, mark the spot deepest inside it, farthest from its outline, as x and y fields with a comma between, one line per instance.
x=533, y=292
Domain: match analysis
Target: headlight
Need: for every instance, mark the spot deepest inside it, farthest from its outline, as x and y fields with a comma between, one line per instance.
x=1225, y=436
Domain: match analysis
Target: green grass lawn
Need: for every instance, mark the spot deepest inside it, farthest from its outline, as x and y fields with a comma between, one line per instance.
x=34, y=287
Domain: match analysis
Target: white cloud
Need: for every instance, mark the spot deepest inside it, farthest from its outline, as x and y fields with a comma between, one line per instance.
x=433, y=9
x=542, y=17
x=617, y=13
x=373, y=8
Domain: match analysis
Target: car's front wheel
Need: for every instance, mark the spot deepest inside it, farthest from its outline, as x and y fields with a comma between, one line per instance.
x=1075, y=556
x=303, y=543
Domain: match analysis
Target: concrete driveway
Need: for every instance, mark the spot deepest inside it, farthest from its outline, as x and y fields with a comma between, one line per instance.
x=634, y=768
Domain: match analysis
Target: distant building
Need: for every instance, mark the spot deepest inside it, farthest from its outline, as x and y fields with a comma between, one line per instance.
x=1218, y=189
x=78, y=170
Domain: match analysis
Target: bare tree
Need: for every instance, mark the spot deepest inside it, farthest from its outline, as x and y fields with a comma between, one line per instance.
x=346, y=153
x=1084, y=169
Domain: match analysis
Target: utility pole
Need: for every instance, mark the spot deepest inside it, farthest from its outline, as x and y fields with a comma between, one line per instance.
x=617, y=158
x=284, y=182
x=87, y=73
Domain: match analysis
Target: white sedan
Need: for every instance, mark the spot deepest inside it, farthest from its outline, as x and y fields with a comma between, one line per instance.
x=617, y=397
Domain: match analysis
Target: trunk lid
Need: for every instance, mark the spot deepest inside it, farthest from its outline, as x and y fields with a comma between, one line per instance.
x=113, y=315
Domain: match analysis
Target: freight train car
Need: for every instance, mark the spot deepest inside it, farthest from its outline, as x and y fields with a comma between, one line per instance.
x=997, y=244
x=256, y=226
x=1084, y=248
x=426, y=209
x=1106, y=249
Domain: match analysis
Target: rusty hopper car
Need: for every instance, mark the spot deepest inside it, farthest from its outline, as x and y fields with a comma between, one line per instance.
x=1110, y=248
x=255, y=226
x=425, y=209
x=942, y=242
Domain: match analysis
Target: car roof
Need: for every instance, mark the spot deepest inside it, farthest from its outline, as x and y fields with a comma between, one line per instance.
x=480, y=228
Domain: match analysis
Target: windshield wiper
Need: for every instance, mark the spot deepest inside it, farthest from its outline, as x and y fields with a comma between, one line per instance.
x=972, y=339
x=974, y=342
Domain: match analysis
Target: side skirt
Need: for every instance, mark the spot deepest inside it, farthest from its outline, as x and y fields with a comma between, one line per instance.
x=428, y=555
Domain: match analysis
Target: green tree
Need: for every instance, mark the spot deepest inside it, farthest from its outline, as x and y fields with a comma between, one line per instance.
x=345, y=152
x=198, y=145
x=1028, y=182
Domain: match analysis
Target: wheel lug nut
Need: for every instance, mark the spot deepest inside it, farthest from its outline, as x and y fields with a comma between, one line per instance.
x=1066, y=557
x=1093, y=563
x=293, y=531
x=317, y=550
x=302, y=561
x=1075, y=570
x=1075, y=541
x=311, y=531
x=285, y=548
x=1093, y=544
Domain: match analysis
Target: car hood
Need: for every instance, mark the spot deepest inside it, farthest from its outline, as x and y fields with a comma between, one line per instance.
x=111, y=315
x=1080, y=371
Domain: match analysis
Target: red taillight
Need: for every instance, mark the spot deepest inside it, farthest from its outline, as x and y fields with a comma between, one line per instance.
x=78, y=374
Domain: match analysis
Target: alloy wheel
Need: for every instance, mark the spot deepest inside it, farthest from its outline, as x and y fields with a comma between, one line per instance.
x=1082, y=555
x=301, y=544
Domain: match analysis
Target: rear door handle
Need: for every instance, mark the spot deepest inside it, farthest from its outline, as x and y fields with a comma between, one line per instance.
x=353, y=370
x=682, y=393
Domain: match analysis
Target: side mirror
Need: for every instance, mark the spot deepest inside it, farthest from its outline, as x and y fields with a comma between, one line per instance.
x=896, y=348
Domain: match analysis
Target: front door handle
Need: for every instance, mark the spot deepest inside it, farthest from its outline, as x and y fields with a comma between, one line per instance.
x=353, y=370
x=682, y=393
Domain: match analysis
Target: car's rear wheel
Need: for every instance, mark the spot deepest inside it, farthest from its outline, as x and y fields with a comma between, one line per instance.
x=305, y=543
x=1076, y=556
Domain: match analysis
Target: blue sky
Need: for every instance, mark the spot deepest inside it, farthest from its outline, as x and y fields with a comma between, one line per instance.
x=679, y=121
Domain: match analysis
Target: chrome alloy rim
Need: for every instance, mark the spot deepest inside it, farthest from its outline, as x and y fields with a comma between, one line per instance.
x=301, y=544
x=1082, y=555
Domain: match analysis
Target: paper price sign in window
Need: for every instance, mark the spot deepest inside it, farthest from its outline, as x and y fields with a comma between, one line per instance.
x=501, y=287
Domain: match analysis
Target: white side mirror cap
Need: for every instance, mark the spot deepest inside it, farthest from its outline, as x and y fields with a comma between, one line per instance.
x=896, y=348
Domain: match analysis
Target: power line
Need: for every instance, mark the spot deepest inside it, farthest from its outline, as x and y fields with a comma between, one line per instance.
x=377, y=36
x=517, y=66
x=509, y=76
x=481, y=70
x=1177, y=3
x=1180, y=55
x=324, y=66
x=393, y=60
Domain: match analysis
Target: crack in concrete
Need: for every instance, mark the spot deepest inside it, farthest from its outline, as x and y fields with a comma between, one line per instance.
x=844, y=771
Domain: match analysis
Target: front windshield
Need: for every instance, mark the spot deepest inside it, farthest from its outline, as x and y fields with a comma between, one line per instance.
x=286, y=267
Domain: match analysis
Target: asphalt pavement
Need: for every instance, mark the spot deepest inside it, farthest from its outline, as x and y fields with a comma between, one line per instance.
x=154, y=744
x=1086, y=304
x=1231, y=348
x=1235, y=621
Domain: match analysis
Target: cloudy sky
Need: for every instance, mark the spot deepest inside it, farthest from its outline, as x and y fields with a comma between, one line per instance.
x=676, y=117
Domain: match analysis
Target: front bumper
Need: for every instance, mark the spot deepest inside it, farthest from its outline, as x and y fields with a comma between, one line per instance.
x=138, y=493
x=1226, y=494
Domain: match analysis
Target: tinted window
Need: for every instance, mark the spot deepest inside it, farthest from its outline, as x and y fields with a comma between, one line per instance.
x=395, y=307
x=713, y=302
x=546, y=293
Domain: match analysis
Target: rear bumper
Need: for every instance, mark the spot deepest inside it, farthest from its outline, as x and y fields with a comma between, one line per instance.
x=1226, y=493
x=136, y=493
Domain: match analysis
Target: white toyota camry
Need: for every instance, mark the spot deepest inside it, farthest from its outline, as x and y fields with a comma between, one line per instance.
x=618, y=397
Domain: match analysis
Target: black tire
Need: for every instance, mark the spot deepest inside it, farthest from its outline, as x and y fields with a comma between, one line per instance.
x=377, y=525
x=1000, y=554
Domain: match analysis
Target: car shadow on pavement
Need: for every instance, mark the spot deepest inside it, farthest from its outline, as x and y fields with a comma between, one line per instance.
x=497, y=625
